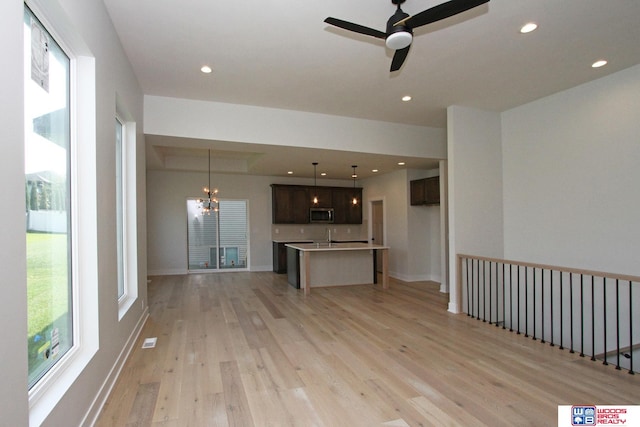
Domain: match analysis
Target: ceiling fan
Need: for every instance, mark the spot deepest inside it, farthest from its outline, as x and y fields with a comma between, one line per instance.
x=400, y=26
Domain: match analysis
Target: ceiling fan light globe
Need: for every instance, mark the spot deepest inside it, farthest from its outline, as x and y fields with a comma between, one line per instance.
x=399, y=40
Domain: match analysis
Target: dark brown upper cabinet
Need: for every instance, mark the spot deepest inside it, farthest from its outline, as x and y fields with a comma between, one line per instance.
x=425, y=191
x=324, y=197
x=345, y=212
x=291, y=203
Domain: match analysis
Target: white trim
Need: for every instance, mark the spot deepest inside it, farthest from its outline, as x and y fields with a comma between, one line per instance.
x=217, y=271
x=110, y=381
x=370, y=201
x=444, y=228
x=453, y=308
x=452, y=276
x=121, y=206
x=261, y=268
x=248, y=224
x=181, y=271
x=415, y=278
x=167, y=272
x=129, y=210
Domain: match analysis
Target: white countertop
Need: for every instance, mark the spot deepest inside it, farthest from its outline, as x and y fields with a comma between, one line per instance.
x=317, y=240
x=338, y=246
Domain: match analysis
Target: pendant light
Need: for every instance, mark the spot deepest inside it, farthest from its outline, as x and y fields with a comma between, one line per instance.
x=354, y=201
x=315, y=185
x=211, y=202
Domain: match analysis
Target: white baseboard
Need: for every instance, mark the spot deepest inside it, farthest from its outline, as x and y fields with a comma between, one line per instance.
x=96, y=406
x=261, y=268
x=181, y=271
x=167, y=272
x=415, y=277
x=453, y=308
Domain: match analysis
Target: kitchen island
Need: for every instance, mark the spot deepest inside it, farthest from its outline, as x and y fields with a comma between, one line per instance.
x=339, y=264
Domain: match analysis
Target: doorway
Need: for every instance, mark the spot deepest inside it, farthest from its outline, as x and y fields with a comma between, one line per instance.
x=377, y=229
x=218, y=240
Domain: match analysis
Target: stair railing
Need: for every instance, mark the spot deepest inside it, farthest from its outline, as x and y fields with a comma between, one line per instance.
x=594, y=313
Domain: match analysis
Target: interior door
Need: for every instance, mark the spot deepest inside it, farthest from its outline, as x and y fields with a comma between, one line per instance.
x=377, y=229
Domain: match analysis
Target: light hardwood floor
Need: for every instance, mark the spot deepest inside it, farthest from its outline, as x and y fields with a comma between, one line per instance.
x=247, y=349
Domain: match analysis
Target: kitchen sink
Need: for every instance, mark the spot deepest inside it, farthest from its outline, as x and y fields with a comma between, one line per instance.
x=325, y=244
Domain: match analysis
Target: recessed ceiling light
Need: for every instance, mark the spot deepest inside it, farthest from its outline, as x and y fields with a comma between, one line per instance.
x=290, y=172
x=374, y=170
x=406, y=98
x=600, y=63
x=323, y=174
x=528, y=27
x=206, y=69
x=401, y=163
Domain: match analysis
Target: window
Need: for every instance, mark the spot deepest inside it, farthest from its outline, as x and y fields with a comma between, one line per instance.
x=48, y=199
x=126, y=213
x=218, y=240
x=120, y=207
x=61, y=181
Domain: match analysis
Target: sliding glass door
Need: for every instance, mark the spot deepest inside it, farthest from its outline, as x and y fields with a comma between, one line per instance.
x=218, y=240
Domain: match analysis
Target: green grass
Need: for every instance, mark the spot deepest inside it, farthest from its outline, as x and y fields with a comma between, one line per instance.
x=48, y=299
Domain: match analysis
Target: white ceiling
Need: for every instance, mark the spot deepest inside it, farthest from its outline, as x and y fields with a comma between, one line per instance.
x=280, y=54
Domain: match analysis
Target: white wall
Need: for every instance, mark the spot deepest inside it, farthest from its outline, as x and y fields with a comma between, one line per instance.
x=13, y=304
x=259, y=125
x=572, y=177
x=475, y=187
x=554, y=181
x=412, y=232
x=86, y=20
x=167, y=206
x=423, y=235
x=391, y=188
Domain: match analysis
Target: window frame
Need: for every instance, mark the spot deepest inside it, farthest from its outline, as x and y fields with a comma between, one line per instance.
x=52, y=87
x=50, y=388
x=121, y=207
x=129, y=209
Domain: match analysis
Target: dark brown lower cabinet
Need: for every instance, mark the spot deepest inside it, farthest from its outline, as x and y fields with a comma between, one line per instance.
x=280, y=256
x=293, y=267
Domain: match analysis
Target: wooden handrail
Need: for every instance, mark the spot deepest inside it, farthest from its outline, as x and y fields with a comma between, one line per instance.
x=624, y=277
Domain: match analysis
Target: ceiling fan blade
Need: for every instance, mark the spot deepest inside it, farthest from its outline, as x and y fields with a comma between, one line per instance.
x=355, y=28
x=399, y=57
x=442, y=11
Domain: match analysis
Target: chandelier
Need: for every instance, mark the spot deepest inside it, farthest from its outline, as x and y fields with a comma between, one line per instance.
x=210, y=203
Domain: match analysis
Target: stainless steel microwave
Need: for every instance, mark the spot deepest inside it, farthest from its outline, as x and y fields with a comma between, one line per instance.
x=321, y=215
